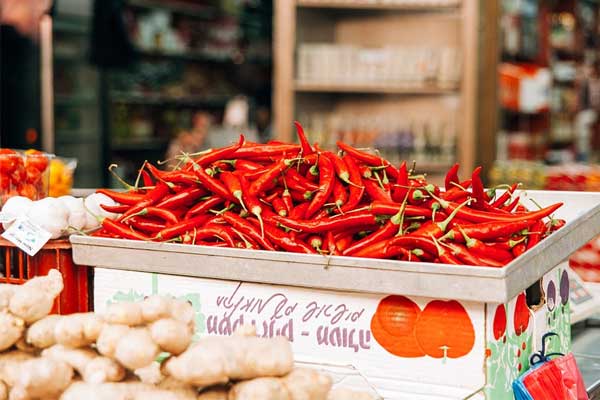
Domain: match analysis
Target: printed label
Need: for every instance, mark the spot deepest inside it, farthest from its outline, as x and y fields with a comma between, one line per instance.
x=27, y=236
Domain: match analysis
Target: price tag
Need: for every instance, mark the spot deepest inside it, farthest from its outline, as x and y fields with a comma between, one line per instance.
x=27, y=236
x=7, y=217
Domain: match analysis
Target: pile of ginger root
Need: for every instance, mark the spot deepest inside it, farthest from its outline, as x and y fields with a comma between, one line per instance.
x=140, y=351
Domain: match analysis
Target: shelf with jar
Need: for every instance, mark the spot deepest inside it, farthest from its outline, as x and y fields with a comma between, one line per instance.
x=394, y=60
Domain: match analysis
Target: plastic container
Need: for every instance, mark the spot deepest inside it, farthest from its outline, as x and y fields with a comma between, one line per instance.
x=24, y=173
x=16, y=267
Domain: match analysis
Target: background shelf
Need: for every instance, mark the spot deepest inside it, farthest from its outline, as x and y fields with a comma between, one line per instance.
x=372, y=88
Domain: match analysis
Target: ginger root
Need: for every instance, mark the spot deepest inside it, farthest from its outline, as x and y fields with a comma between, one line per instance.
x=78, y=330
x=124, y=314
x=171, y=335
x=92, y=367
x=214, y=394
x=41, y=333
x=216, y=360
x=11, y=330
x=40, y=378
x=34, y=299
x=136, y=349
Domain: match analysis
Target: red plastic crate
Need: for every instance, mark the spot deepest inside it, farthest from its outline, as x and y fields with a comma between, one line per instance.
x=16, y=267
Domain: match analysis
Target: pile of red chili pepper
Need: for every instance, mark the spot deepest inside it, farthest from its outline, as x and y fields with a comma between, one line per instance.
x=299, y=198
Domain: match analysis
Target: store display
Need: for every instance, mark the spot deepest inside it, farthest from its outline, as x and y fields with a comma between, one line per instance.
x=150, y=343
x=299, y=199
x=23, y=173
x=335, y=64
x=429, y=142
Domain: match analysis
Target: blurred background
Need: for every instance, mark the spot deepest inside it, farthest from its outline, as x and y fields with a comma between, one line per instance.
x=513, y=85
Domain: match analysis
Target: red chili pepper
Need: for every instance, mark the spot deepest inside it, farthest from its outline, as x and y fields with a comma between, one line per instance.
x=218, y=154
x=122, y=230
x=183, y=198
x=204, y=206
x=343, y=241
x=452, y=177
x=316, y=242
x=356, y=188
x=283, y=240
x=458, y=192
x=150, y=198
x=375, y=192
x=246, y=165
x=182, y=227
x=400, y=189
x=478, y=190
x=340, y=166
x=156, y=212
x=265, y=151
x=519, y=249
x=437, y=229
x=484, y=216
x=512, y=205
x=414, y=242
x=212, y=231
x=128, y=198
x=360, y=218
x=118, y=209
x=299, y=182
x=326, y=179
x=339, y=194
x=234, y=186
x=391, y=208
x=488, y=230
x=369, y=159
x=146, y=224
x=253, y=204
x=329, y=244
x=212, y=184
x=536, y=233
x=279, y=207
x=248, y=229
x=503, y=198
x=268, y=180
x=556, y=224
x=482, y=250
x=385, y=232
x=286, y=196
x=374, y=250
x=445, y=255
x=299, y=211
x=304, y=143
x=146, y=178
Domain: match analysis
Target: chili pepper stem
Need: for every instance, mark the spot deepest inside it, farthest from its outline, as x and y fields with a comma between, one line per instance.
x=139, y=175
x=111, y=168
x=444, y=224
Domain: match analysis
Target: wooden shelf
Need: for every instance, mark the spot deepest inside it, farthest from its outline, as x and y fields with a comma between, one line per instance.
x=198, y=56
x=373, y=88
x=364, y=5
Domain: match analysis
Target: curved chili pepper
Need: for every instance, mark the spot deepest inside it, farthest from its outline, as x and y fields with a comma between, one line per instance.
x=248, y=229
x=536, y=233
x=183, y=198
x=463, y=254
x=215, y=231
x=118, y=209
x=356, y=188
x=414, y=242
x=212, y=184
x=340, y=166
x=299, y=182
x=452, y=177
x=283, y=240
x=286, y=197
x=478, y=190
x=316, y=242
x=484, y=216
x=391, y=208
x=385, y=232
x=217, y=154
x=204, y=206
x=246, y=165
x=160, y=213
x=457, y=193
x=329, y=244
x=122, y=230
x=512, y=205
x=268, y=179
x=339, y=195
x=127, y=198
x=299, y=211
x=279, y=207
x=266, y=150
x=147, y=225
x=519, y=249
x=480, y=249
x=374, y=250
x=376, y=192
x=400, y=189
x=369, y=159
x=146, y=178
x=437, y=229
x=234, y=186
x=150, y=198
x=326, y=179
x=360, y=218
x=252, y=202
x=182, y=227
x=488, y=230
x=503, y=198
x=304, y=143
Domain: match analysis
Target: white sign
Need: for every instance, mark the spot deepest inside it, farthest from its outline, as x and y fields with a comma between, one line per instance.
x=6, y=217
x=27, y=236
